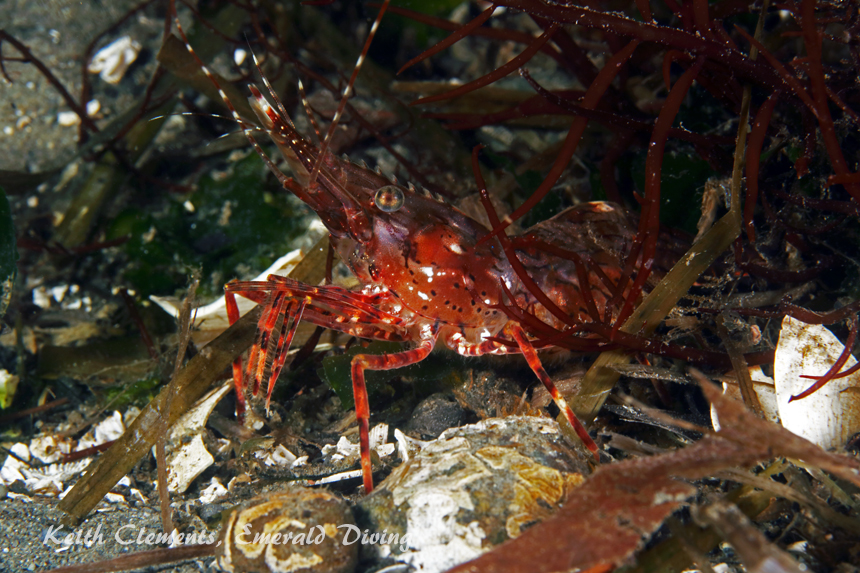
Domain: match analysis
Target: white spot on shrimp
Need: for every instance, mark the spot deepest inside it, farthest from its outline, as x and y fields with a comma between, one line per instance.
x=423, y=296
x=456, y=248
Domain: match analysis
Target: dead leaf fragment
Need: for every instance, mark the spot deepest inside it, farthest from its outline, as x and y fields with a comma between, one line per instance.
x=756, y=552
x=762, y=439
x=605, y=520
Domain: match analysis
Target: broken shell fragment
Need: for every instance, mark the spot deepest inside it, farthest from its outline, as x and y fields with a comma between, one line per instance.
x=187, y=456
x=298, y=530
x=471, y=489
x=112, y=61
x=211, y=319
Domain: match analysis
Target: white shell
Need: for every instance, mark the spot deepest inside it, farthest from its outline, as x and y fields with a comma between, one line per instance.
x=190, y=458
x=112, y=61
x=832, y=414
x=211, y=319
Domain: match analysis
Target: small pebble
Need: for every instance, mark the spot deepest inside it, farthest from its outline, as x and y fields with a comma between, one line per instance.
x=68, y=118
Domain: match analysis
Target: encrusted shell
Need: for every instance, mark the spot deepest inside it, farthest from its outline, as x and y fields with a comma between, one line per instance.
x=295, y=531
x=471, y=489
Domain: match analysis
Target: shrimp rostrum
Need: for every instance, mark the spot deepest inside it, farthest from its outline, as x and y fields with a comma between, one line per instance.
x=425, y=275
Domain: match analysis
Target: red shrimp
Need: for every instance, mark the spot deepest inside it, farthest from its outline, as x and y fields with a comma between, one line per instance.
x=424, y=274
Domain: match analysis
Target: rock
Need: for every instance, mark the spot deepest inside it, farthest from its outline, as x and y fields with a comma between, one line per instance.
x=470, y=490
x=434, y=415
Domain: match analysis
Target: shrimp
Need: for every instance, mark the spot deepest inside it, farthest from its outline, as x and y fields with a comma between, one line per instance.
x=424, y=273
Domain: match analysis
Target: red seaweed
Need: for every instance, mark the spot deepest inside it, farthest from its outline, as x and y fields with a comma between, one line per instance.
x=707, y=49
x=833, y=372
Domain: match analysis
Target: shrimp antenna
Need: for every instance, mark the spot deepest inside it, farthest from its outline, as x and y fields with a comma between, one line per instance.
x=347, y=92
x=272, y=93
x=247, y=128
x=309, y=111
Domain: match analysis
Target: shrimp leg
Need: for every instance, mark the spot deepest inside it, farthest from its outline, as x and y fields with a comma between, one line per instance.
x=288, y=302
x=359, y=364
x=525, y=347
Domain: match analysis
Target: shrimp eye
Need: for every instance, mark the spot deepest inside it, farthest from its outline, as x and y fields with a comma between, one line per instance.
x=389, y=198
